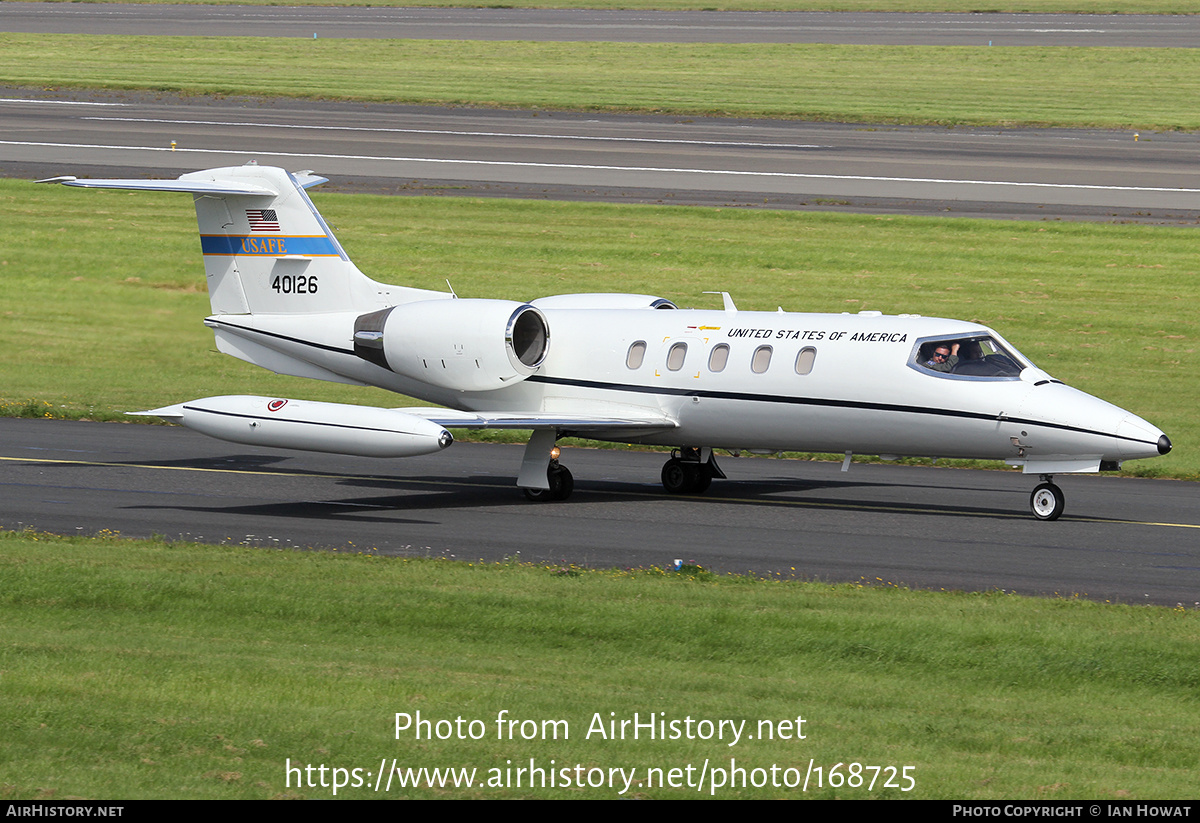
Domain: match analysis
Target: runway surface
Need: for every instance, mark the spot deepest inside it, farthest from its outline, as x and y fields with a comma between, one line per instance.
x=854, y=28
x=1121, y=539
x=625, y=158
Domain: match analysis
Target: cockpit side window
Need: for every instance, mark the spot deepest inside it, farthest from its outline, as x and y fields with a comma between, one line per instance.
x=976, y=356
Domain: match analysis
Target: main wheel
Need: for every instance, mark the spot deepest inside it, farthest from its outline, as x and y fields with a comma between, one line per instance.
x=674, y=476
x=682, y=477
x=537, y=495
x=562, y=483
x=1047, y=502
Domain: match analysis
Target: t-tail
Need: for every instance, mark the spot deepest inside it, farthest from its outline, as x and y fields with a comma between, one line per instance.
x=266, y=248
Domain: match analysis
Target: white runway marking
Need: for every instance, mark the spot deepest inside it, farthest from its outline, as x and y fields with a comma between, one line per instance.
x=56, y=102
x=466, y=133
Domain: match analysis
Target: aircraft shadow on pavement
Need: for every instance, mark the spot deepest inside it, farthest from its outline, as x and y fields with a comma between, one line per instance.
x=226, y=462
x=350, y=511
x=894, y=498
x=431, y=493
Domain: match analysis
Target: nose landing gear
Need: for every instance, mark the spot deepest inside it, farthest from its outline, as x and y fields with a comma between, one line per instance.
x=1047, y=501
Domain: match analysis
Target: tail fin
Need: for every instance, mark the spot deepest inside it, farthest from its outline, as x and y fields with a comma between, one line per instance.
x=267, y=250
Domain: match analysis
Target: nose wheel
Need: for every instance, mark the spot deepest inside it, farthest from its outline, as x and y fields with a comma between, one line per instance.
x=1047, y=502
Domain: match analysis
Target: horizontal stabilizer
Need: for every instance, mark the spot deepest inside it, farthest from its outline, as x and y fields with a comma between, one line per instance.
x=191, y=186
x=266, y=248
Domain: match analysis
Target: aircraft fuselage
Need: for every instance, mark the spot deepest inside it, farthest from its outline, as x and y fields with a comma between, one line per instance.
x=863, y=388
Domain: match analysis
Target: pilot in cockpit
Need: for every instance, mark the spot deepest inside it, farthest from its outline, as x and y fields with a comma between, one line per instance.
x=944, y=357
x=980, y=357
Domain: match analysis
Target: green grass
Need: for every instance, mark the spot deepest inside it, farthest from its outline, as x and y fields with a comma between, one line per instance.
x=101, y=306
x=170, y=670
x=1146, y=89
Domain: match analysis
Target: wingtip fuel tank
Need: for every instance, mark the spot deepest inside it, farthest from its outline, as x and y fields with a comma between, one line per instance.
x=276, y=422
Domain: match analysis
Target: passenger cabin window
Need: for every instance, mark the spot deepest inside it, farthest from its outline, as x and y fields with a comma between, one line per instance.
x=637, y=353
x=719, y=358
x=805, y=360
x=675, y=356
x=974, y=356
x=762, y=359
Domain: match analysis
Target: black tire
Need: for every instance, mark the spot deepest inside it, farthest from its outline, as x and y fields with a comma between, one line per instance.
x=683, y=477
x=1047, y=502
x=562, y=483
x=675, y=476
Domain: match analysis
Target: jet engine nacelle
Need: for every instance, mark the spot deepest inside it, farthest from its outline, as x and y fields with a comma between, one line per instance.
x=463, y=345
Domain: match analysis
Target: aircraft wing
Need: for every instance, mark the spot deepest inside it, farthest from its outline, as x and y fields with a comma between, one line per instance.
x=453, y=419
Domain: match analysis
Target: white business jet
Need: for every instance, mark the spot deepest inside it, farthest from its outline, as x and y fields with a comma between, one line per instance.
x=628, y=368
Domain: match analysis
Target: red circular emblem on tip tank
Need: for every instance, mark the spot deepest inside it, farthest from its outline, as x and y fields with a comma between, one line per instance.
x=276, y=405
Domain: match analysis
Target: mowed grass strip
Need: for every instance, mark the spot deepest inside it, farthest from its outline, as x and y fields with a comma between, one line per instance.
x=1081, y=87
x=956, y=6
x=151, y=669
x=102, y=293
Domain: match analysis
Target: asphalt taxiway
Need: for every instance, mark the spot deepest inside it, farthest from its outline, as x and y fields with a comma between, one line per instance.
x=1121, y=539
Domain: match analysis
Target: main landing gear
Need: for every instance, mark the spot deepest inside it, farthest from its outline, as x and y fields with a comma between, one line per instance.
x=542, y=478
x=1047, y=501
x=690, y=471
x=561, y=484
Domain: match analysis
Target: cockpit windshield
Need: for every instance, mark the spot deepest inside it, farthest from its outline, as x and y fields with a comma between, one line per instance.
x=971, y=356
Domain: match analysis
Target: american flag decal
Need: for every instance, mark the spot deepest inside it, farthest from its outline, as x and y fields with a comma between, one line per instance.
x=262, y=219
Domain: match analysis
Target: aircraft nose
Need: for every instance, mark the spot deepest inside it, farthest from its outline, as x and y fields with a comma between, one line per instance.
x=1140, y=439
